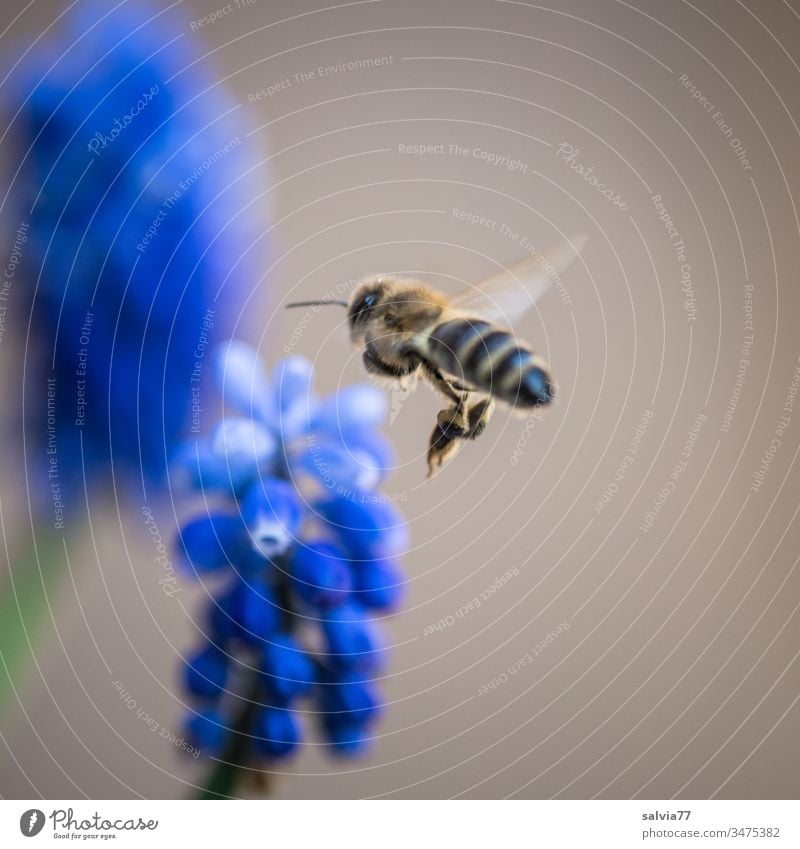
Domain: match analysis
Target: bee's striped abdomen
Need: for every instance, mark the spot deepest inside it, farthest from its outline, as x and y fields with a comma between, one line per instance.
x=492, y=360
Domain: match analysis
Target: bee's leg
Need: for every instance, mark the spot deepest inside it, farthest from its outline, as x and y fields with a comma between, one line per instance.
x=452, y=424
x=453, y=421
x=455, y=392
x=459, y=387
x=478, y=417
x=448, y=433
x=441, y=449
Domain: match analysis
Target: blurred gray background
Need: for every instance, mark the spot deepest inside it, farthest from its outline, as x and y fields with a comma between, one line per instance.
x=671, y=666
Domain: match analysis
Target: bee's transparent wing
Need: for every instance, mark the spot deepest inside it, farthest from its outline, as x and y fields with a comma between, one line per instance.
x=506, y=296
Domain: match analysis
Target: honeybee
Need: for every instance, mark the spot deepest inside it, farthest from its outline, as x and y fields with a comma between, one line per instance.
x=458, y=344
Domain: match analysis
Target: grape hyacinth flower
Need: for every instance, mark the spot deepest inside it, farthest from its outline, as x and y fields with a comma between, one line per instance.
x=304, y=549
x=134, y=184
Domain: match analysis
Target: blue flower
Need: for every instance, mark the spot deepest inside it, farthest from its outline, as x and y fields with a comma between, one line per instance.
x=207, y=672
x=276, y=732
x=352, y=640
x=288, y=668
x=134, y=184
x=247, y=612
x=310, y=550
x=206, y=731
x=320, y=575
x=212, y=542
x=273, y=513
x=347, y=738
x=379, y=584
x=350, y=700
x=368, y=528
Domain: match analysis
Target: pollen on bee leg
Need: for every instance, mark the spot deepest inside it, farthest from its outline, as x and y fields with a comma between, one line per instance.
x=453, y=422
x=437, y=458
x=479, y=416
x=442, y=449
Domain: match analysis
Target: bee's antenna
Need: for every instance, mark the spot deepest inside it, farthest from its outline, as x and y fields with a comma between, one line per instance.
x=316, y=304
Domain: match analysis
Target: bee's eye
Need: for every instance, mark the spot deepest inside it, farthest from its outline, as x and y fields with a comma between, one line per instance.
x=362, y=305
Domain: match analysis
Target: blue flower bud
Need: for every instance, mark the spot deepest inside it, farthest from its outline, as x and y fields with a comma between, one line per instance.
x=292, y=378
x=349, y=699
x=206, y=731
x=259, y=610
x=357, y=407
x=320, y=575
x=195, y=466
x=353, y=640
x=246, y=447
x=288, y=669
x=349, y=466
x=367, y=528
x=207, y=672
x=276, y=732
x=347, y=738
x=379, y=584
x=273, y=513
x=247, y=612
x=241, y=379
x=213, y=542
x=374, y=451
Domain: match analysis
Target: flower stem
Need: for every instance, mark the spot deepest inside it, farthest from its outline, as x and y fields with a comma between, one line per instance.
x=232, y=763
x=25, y=604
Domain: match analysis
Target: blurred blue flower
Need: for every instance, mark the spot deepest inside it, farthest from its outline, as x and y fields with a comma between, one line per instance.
x=320, y=574
x=352, y=640
x=205, y=730
x=207, y=672
x=276, y=733
x=288, y=668
x=135, y=183
x=311, y=548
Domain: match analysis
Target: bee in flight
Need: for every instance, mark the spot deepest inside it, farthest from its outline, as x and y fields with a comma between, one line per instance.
x=458, y=344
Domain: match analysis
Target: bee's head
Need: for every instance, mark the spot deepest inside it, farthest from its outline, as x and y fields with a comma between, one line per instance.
x=361, y=310
x=372, y=293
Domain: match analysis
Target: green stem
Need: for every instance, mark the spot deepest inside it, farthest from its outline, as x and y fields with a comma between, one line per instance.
x=24, y=606
x=232, y=763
